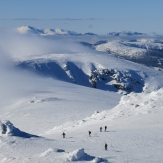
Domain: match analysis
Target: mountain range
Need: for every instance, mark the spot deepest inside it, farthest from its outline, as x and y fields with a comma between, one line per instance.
x=73, y=85
x=50, y=32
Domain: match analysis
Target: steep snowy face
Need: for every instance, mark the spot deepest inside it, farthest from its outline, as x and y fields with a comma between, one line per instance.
x=105, y=79
x=93, y=70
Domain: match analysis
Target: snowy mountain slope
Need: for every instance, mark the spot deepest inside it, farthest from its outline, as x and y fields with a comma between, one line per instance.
x=74, y=68
x=150, y=44
x=48, y=32
x=52, y=102
x=45, y=107
x=133, y=133
x=119, y=49
x=134, y=128
x=145, y=51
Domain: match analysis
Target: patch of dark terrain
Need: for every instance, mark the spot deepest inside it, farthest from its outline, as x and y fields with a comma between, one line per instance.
x=113, y=80
x=104, y=79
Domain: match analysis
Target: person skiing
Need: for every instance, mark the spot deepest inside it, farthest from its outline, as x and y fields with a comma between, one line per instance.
x=63, y=134
x=105, y=128
x=100, y=129
x=89, y=133
x=106, y=146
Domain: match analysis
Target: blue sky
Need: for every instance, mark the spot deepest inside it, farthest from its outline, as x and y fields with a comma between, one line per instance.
x=98, y=16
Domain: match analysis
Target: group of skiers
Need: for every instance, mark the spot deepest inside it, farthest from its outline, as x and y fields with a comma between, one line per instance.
x=101, y=128
x=89, y=132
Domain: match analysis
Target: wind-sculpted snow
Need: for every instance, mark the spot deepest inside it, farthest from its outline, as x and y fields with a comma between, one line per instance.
x=7, y=128
x=49, y=69
x=79, y=155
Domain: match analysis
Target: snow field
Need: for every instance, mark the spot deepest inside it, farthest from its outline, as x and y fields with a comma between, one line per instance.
x=132, y=136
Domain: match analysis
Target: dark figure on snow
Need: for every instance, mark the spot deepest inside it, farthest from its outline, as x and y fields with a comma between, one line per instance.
x=63, y=135
x=4, y=129
x=89, y=133
x=105, y=128
x=100, y=129
x=106, y=146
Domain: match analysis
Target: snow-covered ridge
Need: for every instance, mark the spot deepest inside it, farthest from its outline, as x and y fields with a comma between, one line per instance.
x=105, y=79
x=116, y=47
x=146, y=51
x=38, y=31
x=46, y=32
x=97, y=73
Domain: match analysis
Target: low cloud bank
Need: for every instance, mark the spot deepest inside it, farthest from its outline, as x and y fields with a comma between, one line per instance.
x=17, y=46
x=14, y=47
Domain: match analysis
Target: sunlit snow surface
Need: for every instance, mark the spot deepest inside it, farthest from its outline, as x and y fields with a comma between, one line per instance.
x=40, y=108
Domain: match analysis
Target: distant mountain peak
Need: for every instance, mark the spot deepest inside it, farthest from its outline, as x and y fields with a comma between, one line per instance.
x=28, y=29
x=57, y=31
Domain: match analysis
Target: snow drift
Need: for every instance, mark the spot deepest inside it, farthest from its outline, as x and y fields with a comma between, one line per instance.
x=79, y=155
x=8, y=129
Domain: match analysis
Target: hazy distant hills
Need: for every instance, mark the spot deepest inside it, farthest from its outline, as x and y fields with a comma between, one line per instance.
x=125, y=33
x=57, y=31
x=46, y=32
